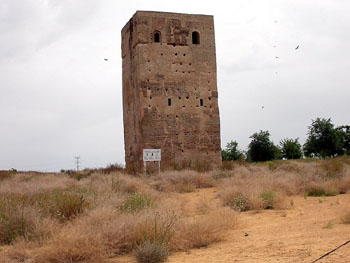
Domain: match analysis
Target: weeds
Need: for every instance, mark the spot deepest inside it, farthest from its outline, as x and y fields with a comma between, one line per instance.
x=269, y=199
x=13, y=219
x=155, y=240
x=62, y=204
x=319, y=191
x=151, y=252
x=333, y=168
x=135, y=202
x=240, y=203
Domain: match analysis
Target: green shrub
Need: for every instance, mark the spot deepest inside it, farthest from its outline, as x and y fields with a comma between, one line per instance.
x=155, y=235
x=239, y=203
x=151, y=252
x=317, y=191
x=135, y=202
x=269, y=199
x=13, y=220
x=62, y=204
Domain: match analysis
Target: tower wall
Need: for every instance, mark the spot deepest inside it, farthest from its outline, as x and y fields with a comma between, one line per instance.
x=170, y=97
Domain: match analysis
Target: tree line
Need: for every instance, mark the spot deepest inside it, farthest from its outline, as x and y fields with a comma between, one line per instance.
x=324, y=140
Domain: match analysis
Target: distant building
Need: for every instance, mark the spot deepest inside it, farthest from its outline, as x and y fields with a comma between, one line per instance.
x=170, y=96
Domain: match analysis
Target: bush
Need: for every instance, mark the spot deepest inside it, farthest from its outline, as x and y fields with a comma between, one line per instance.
x=135, y=202
x=13, y=219
x=151, y=252
x=239, y=203
x=62, y=204
x=318, y=190
x=269, y=199
x=156, y=236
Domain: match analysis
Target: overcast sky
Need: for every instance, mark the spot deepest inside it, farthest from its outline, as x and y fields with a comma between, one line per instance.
x=60, y=99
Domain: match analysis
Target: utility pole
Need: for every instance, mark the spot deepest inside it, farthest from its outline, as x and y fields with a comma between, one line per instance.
x=77, y=162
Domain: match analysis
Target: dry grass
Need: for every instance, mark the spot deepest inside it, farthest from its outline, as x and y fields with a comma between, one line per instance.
x=71, y=245
x=56, y=218
x=346, y=218
x=282, y=178
x=202, y=230
x=183, y=181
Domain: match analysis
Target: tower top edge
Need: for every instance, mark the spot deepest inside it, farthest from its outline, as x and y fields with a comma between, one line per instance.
x=169, y=15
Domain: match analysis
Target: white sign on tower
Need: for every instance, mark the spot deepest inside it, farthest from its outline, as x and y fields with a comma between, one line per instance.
x=151, y=155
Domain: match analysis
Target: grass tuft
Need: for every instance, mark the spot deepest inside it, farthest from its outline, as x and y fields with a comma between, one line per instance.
x=269, y=199
x=62, y=204
x=136, y=202
x=151, y=252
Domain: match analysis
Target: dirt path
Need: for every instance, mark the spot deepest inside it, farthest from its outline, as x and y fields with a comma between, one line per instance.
x=302, y=233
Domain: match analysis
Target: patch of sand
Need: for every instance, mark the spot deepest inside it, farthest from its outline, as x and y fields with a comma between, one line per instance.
x=304, y=232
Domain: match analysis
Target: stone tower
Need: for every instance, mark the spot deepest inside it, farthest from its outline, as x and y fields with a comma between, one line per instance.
x=170, y=96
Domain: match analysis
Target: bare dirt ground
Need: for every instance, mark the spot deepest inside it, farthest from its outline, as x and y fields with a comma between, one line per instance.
x=309, y=228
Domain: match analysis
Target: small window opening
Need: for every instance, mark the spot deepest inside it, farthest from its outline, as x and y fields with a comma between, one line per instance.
x=156, y=37
x=195, y=38
x=209, y=98
x=201, y=102
x=169, y=102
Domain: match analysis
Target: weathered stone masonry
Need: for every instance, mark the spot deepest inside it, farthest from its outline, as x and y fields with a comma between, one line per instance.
x=170, y=96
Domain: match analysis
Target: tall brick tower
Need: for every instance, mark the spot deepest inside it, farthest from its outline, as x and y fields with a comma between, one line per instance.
x=170, y=96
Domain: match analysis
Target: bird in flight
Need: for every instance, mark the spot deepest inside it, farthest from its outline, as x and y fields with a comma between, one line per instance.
x=262, y=107
x=297, y=47
x=105, y=59
x=277, y=57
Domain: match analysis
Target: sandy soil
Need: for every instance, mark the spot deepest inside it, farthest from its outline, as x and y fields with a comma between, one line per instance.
x=305, y=231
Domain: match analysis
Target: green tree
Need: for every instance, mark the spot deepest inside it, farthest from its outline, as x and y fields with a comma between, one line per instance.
x=261, y=148
x=232, y=152
x=323, y=139
x=344, y=133
x=291, y=149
